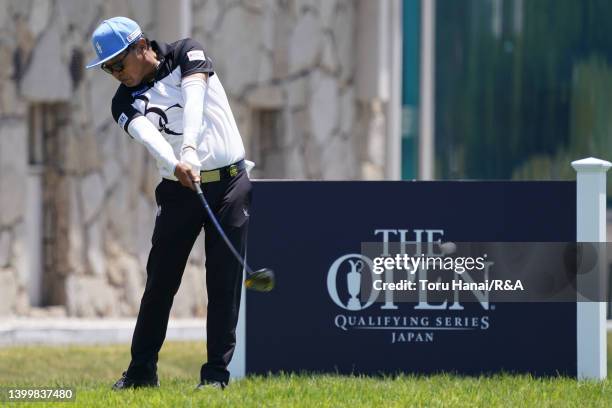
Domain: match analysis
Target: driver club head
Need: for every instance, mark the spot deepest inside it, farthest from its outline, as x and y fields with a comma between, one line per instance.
x=261, y=280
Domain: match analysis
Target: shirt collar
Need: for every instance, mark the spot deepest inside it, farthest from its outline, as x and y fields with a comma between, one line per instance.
x=160, y=48
x=161, y=51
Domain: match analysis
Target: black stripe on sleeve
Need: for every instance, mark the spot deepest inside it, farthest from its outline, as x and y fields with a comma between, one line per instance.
x=192, y=58
x=122, y=109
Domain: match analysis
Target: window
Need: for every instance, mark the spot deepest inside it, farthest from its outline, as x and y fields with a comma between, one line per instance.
x=46, y=211
x=266, y=144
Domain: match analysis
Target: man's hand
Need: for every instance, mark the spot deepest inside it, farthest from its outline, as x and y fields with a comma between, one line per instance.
x=186, y=175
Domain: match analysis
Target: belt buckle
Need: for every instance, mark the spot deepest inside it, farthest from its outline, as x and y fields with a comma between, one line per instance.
x=210, y=176
x=233, y=170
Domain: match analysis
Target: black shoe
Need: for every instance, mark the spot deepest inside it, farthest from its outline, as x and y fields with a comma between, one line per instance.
x=208, y=384
x=125, y=382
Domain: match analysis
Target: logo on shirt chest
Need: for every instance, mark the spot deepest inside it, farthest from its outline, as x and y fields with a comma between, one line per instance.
x=158, y=114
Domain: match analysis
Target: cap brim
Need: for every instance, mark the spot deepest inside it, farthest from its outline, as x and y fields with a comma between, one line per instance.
x=97, y=61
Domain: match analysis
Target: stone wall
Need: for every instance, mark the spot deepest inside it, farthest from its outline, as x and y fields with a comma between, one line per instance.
x=298, y=58
x=289, y=69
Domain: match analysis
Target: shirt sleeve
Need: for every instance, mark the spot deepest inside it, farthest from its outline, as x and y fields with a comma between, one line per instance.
x=193, y=59
x=144, y=132
x=123, y=112
x=193, y=90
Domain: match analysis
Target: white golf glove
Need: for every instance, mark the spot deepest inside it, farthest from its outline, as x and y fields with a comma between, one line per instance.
x=190, y=157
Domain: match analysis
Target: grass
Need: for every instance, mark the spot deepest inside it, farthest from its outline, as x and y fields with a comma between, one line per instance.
x=92, y=369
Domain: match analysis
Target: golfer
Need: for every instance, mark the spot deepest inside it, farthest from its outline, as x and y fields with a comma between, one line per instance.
x=170, y=100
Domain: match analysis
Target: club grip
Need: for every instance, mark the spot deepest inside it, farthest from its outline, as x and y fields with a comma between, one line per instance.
x=197, y=187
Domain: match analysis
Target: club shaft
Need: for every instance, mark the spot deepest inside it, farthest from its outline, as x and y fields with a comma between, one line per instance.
x=220, y=229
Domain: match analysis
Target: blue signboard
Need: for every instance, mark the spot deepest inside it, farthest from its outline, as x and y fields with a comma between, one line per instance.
x=311, y=233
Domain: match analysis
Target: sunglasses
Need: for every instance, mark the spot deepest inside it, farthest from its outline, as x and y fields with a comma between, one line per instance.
x=117, y=66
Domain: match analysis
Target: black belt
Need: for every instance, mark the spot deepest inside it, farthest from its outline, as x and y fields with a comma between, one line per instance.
x=210, y=176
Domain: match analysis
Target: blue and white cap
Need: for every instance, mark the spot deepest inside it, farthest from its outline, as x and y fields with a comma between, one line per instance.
x=112, y=37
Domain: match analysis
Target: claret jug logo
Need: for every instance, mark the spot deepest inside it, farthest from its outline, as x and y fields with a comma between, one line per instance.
x=359, y=265
x=362, y=309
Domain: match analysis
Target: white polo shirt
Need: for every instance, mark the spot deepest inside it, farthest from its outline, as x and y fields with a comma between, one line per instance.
x=219, y=143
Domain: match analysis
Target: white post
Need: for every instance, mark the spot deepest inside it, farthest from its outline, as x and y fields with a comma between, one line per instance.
x=393, y=155
x=173, y=20
x=591, y=227
x=427, y=91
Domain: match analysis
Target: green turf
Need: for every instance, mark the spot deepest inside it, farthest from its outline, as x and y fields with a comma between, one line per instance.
x=92, y=369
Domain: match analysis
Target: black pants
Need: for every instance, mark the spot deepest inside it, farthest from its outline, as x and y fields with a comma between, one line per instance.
x=180, y=217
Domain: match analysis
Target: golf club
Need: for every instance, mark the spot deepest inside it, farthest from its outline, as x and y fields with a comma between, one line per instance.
x=261, y=280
